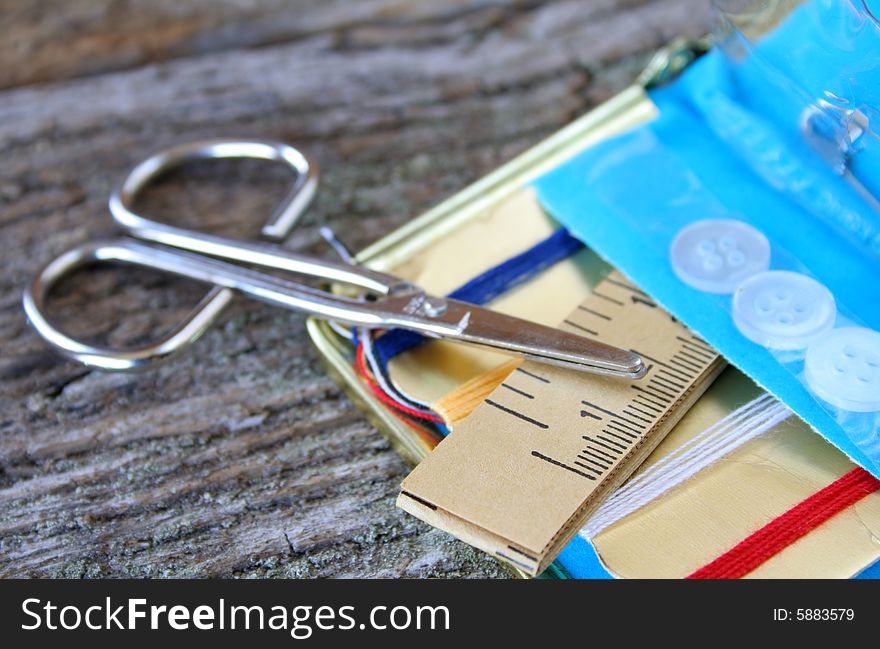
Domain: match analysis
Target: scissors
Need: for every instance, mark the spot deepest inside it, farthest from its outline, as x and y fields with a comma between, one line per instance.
x=383, y=302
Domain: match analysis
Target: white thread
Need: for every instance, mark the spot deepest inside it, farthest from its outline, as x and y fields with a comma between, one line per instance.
x=696, y=444
x=732, y=419
x=687, y=467
x=684, y=463
x=366, y=335
x=720, y=439
x=401, y=397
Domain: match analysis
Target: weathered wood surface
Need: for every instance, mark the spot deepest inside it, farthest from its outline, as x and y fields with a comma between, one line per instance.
x=242, y=458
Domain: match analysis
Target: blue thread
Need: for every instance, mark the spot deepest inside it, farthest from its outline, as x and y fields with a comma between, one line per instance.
x=488, y=285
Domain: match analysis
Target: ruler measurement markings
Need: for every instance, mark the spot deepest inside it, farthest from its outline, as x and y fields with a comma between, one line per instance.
x=668, y=383
x=654, y=410
x=698, y=346
x=599, y=408
x=681, y=368
x=681, y=374
x=644, y=389
x=687, y=343
x=670, y=377
x=594, y=312
x=610, y=413
x=624, y=426
x=592, y=461
x=533, y=375
x=643, y=395
x=647, y=403
x=627, y=423
x=603, y=445
x=607, y=298
x=518, y=391
x=599, y=459
x=632, y=429
x=624, y=285
x=611, y=458
x=658, y=383
x=517, y=414
x=595, y=452
x=588, y=468
x=512, y=560
x=684, y=375
x=655, y=390
x=571, y=323
x=562, y=465
x=617, y=426
x=605, y=454
x=640, y=418
x=637, y=299
x=703, y=358
x=669, y=393
x=610, y=431
x=525, y=554
x=657, y=377
x=612, y=426
x=632, y=407
x=622, y=447
x=684, y=354
x=680, y=362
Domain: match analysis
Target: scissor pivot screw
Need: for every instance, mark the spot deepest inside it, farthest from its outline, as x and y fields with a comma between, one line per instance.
x=434, y=306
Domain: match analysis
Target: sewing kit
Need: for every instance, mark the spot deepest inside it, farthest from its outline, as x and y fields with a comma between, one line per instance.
x=554, y=444
x=670, y=312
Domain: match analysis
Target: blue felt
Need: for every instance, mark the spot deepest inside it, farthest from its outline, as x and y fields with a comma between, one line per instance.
x=717, y=150
x=871, y=572
x=580, y=561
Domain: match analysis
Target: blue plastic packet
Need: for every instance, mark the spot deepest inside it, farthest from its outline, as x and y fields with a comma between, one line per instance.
x=772, y=138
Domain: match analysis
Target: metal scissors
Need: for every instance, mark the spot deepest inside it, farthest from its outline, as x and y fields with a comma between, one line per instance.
x=384, y=301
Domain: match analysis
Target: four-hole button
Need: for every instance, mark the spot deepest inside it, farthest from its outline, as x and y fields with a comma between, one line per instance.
x=783, y=310
x=716, y=255
x=843, y=368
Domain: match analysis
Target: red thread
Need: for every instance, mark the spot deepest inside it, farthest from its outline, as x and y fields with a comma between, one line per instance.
x=362, y=368
x=784, y=530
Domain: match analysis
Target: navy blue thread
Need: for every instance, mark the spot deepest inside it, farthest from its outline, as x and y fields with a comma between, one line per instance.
x=487, y=286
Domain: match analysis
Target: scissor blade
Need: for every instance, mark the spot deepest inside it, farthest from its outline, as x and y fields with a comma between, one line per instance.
x=475, y=325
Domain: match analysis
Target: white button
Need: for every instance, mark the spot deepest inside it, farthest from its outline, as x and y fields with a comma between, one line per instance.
x=716, y=255
x=843, y=368
x=783, y=310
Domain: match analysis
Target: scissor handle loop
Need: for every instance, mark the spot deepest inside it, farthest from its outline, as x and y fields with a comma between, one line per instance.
x=106, y=358
x=121, y=205
x=279, y=224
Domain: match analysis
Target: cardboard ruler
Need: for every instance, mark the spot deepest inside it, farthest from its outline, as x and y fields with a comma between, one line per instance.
x=522, y=473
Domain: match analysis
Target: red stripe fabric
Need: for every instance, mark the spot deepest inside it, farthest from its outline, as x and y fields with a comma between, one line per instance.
x=781, y=532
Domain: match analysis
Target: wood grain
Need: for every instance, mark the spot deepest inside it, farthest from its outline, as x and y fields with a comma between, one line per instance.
x=241, y=457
